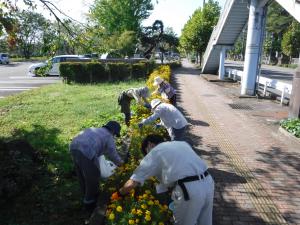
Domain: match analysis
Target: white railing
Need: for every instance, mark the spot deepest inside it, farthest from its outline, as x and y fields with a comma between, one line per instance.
x=268, y=84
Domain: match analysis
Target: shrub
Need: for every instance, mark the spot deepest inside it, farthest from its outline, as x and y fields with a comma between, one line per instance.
x=292, y=126
x=95, y=72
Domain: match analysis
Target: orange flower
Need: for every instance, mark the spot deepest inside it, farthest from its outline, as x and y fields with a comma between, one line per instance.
x=115, y=196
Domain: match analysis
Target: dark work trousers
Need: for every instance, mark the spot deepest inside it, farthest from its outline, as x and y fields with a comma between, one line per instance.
x=125, y=107
x=173, y=100
x=89, y=176
x=127, y=118
x=177, y=134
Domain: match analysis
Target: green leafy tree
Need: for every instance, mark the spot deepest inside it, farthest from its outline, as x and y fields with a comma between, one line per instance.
x=117, y=16
x=291, y=40
x=30, y=30
x=197, y=31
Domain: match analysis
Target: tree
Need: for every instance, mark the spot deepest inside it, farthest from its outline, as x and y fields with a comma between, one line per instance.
x=196, y=32
x=291, y=40
x=30, y=30
x=117, y=16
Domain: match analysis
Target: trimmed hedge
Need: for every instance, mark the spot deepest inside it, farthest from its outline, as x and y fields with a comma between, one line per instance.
x=96, y=72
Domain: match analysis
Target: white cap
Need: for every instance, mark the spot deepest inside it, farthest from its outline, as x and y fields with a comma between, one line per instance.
x=157, y=81
x=154, y=103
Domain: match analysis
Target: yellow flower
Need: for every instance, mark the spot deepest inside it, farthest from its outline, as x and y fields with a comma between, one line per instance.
x=119, y=209
x=111, y=216
x=148, y=212
x=133, y=211
x=144, y=206
x=131, y=221
x=160, y=223
x=150, y=202
x=137, y=221
x=147, y=217
x=139, y=212
x=156, y=202
x=145, y=196
x=148, y=192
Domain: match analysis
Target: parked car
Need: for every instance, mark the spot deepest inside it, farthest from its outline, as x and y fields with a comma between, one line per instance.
x=4, y=58
x=53, y=64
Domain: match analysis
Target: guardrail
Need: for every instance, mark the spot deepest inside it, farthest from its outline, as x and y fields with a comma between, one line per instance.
x=276, y=87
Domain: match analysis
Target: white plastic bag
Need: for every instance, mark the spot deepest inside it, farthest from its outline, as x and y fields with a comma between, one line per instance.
x=106, y=167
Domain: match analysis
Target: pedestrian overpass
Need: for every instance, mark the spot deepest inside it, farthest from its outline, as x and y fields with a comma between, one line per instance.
x=234, y=17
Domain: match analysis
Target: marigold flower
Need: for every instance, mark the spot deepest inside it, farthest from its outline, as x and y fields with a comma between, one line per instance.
x=137, y=221
x=119, y=209
x=139, y=212
x=111, y=216
x=160, y=223
x=147, y=217
x=115, y=196
x=133, y=211
x=150, y=202
x=144, y=206
x=148, y=212
x=131, y=221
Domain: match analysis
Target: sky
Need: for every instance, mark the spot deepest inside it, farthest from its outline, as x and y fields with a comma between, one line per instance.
x=173, y=13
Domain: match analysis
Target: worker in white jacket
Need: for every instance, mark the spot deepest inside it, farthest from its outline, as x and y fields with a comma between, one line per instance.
x=171, y=118
x=177, y=166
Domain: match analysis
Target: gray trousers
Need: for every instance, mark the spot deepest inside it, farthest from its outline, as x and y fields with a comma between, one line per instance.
x=89, y=176
x=197, y=210
x=176, y=134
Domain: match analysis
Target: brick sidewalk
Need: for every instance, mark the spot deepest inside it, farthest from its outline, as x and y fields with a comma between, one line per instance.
x=257, y=170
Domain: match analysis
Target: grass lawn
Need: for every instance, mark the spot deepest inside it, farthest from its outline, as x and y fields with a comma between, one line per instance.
x=48, y=118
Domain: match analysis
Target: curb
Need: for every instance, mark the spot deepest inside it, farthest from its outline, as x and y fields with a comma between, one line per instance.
x=215, y=78
x=289, y=135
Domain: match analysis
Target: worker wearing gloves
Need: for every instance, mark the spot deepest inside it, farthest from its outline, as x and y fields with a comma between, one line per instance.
x=171, y=118
x=180, y=169
x=85, y=149
x=124, y=99
x=165, y=89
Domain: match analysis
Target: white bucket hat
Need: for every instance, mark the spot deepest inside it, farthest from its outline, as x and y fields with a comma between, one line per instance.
x=154, y=103
x=157, y=81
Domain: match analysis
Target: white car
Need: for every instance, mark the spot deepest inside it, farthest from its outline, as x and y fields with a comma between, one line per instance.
x=4, y=58
x=53, y=64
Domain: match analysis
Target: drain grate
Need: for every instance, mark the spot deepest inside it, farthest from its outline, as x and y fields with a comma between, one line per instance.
x=240, y=106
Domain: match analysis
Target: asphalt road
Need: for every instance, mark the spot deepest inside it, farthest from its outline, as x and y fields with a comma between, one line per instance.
x=272, y=72
x=14, y=79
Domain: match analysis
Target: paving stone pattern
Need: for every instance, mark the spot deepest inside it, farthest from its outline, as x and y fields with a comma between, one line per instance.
x=256, y=170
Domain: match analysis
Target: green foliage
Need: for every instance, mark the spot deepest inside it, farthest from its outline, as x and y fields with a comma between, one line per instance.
x=292, y=126
x=30, y=31
x=291, y=40
x=104, y=72
x=197, y=30
x=117, y=16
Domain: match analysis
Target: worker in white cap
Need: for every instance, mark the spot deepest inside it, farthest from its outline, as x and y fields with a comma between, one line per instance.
x=171, y=118
x=165, y=89
x=180, y=169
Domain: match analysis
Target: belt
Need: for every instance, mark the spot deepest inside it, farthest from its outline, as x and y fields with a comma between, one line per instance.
x=190, y=179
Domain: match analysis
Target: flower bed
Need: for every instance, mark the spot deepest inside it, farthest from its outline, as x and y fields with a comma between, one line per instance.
x=292, y=126
x=142, y=206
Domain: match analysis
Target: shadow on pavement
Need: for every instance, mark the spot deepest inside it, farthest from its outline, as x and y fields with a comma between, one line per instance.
x=281, y=172
x=229, y=206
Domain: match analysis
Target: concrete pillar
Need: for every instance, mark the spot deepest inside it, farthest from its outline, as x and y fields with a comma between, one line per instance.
x=253, y=47
x=222, y=62
x=294, y=106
